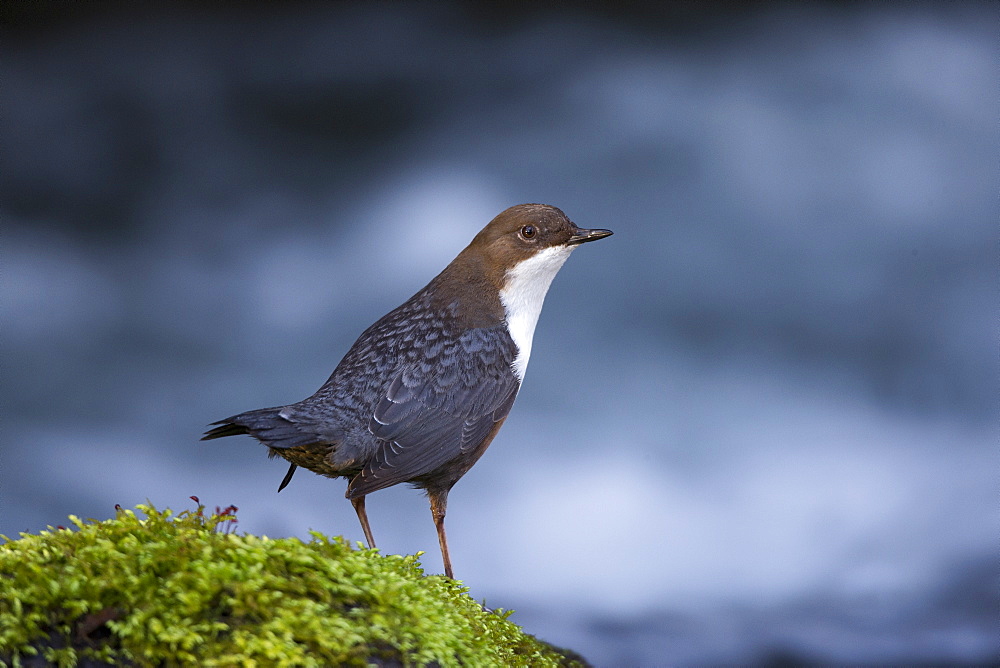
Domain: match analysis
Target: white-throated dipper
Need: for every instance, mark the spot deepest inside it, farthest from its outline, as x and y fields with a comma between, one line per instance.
x=423, y=391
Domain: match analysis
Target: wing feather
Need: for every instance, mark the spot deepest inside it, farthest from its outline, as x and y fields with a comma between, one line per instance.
x=438, y=410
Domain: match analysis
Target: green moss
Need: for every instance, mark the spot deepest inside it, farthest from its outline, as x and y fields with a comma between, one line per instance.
x=169, y=590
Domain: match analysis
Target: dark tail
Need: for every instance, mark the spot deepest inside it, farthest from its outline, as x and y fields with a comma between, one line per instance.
x=266, y=425
x=227, y=428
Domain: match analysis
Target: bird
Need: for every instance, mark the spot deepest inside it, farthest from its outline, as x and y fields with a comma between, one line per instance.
x=422, y=392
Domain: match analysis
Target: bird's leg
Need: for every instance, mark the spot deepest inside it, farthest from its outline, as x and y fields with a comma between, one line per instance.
x=359, y=507
x=439, y=503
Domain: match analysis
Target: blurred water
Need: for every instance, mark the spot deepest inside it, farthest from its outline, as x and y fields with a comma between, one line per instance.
x=760, y=423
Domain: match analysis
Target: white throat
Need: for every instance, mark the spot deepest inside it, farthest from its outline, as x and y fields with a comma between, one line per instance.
x=523, y=295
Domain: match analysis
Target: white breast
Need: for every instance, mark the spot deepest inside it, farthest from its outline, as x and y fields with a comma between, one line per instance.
x=523, y=295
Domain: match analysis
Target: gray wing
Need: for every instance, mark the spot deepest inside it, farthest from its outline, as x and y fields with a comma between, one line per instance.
x=440, y=408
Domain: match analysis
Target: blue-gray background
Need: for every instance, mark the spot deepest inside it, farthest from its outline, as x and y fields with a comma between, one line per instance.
x=760, y=422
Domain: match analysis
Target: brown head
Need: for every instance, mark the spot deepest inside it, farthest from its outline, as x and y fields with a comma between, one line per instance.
x=517, y=254
x=520, y=232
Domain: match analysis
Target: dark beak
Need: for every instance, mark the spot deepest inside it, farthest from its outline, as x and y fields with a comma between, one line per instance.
x=581, y=236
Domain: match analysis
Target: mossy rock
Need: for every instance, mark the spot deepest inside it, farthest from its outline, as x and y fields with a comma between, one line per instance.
x=182, y=590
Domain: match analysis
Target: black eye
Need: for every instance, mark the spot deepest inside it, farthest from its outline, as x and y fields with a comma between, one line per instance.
x=528, y=231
